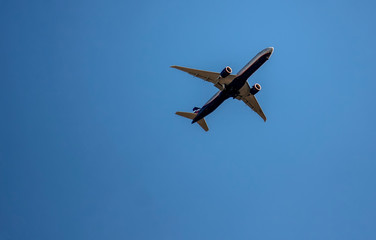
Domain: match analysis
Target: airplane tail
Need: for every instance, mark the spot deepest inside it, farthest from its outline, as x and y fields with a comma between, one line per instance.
x=201, y=122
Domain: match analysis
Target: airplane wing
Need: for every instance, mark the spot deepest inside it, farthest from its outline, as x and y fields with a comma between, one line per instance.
x=250, y=100
x=208, y=76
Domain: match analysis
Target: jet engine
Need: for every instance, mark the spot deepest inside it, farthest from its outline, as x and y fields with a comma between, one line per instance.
x=255, y=89
x=225, y=72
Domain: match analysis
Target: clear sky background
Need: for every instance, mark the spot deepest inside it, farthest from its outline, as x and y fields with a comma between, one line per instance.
x=90, y=147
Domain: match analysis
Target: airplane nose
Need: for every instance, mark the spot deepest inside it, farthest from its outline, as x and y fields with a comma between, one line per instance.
x=270, y=51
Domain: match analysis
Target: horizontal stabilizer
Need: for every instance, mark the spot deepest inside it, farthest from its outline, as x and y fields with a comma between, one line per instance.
x=201, y=122
x=187, y=114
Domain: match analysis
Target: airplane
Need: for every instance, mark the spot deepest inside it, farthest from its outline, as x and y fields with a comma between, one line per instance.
x=235, y=86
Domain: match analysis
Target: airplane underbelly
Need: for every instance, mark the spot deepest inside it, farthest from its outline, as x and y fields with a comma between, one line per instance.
x=256, y=65
x=212, y=105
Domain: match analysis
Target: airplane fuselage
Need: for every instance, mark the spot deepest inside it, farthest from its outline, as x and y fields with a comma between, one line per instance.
x=232, y=89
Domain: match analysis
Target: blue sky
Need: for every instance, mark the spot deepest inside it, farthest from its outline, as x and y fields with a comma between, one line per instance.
x=90, y=147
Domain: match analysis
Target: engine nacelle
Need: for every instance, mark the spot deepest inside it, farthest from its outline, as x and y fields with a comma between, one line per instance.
x=255, y=89
x=225, y=72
